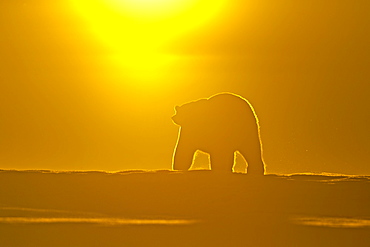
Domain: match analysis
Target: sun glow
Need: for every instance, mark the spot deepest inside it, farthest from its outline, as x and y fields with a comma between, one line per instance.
x=137, y=31
x=151, y=7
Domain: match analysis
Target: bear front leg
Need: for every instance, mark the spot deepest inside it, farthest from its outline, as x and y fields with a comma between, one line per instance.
x=222, y=161
x=183, y=154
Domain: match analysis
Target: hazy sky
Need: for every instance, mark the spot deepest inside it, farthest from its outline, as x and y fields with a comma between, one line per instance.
x=85, y=87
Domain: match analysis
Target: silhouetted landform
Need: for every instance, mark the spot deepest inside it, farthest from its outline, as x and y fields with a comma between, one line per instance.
x=173, y=208
x=220, y=126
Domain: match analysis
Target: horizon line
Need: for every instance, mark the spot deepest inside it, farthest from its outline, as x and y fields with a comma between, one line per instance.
x=135, y=171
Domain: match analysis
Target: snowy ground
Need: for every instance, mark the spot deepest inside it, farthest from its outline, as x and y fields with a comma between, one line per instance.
x=197, y=208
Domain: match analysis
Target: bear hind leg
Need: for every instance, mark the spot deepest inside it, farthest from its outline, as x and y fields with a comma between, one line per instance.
x=253, y=156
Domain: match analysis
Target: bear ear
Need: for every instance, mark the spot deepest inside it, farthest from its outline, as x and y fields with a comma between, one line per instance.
x=177, y=108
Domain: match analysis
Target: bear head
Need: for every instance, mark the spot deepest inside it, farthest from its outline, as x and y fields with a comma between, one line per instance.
x=190, y=113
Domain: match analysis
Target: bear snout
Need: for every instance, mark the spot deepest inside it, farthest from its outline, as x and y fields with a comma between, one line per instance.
x=175, y=119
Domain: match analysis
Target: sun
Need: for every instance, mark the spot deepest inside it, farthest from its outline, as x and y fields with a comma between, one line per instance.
x=138, y=31
x=150, y=8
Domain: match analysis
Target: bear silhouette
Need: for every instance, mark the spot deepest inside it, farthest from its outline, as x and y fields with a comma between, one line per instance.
x=219, y=125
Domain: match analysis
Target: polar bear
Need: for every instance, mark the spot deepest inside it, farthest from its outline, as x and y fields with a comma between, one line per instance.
x=219, y=125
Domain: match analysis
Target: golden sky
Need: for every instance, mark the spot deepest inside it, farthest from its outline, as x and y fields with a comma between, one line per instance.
x=92, y=84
